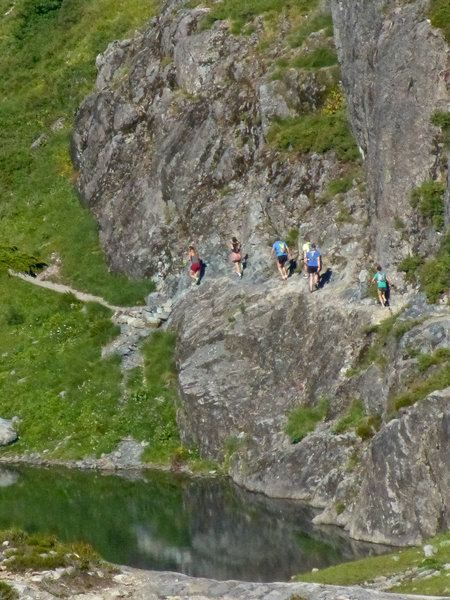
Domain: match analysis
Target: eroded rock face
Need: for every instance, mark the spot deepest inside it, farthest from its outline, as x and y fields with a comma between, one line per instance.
x=249, y=353
x=395, y=69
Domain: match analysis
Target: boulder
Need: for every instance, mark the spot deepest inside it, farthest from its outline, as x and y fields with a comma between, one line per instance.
x=7, y=432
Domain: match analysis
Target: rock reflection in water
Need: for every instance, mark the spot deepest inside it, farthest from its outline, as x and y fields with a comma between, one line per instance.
x=8, y=477
x=202, y=527
x=237, y=534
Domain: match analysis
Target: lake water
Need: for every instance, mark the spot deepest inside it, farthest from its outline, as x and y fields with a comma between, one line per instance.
x=204, y=527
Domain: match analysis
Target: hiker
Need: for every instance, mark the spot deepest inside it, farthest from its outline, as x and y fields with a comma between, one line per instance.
x=306, y=248
x=283, y=255
x=196, y=265
x=236, y=256
x=313, y=263
x=383, y=284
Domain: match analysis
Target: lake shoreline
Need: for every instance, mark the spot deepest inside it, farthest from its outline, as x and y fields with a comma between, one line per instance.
x=136, y=584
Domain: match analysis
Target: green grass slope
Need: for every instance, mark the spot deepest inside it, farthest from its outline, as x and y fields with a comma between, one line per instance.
x=47, y=66
x=70, y=400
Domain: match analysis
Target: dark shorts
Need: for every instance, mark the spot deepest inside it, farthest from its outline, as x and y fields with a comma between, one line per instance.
x=282, y=259
x=196, y=267
x=312, y=269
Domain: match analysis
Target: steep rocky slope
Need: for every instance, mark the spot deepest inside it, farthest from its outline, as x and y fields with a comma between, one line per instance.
x=173, y=147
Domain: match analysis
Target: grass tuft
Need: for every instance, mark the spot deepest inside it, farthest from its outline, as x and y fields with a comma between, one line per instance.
x=389, y=331
x=429, y=199
x=433, y=274
x=7, y=592
x=44, y=552
x=420, y=388
x=303, y=420
x=439, y=15
x=356, y=419
x=241, y=14
x=319, y=21
x=315, y=132
x=441, y=119
x=317, y=59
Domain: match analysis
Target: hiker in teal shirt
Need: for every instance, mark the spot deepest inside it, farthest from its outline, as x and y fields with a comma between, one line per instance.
x=383, y=284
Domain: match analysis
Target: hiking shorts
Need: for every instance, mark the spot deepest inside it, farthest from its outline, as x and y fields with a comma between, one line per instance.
x=282, y=259
x=313, y=269
x=196, y=267
x=236, y=257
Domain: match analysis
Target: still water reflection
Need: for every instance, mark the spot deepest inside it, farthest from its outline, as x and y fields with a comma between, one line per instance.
x=154, y=520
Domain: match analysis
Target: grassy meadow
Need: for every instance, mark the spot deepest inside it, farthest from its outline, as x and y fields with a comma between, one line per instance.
x=47, y=66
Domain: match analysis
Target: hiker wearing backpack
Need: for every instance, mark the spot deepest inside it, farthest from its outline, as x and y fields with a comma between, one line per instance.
x=283, y=255
x=383, y=284
x=313, y=263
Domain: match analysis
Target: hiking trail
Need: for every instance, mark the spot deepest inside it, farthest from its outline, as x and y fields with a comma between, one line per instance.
x=135, y=322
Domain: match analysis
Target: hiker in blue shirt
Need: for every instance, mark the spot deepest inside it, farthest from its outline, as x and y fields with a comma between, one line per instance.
x=283, y=255
x=313, y=263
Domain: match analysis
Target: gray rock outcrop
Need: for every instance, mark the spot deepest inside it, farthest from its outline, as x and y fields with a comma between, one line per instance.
x=7, y=432
x=159, y=585
x=406, y=489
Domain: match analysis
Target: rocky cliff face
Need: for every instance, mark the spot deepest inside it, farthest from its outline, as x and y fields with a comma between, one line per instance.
x=172, y=148
x=395, y=69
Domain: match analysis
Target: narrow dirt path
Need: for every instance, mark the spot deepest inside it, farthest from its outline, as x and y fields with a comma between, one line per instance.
x=135, y=322
x=65, y=289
